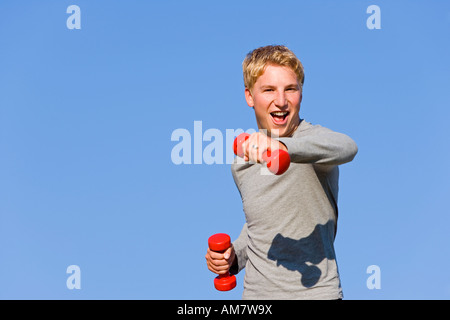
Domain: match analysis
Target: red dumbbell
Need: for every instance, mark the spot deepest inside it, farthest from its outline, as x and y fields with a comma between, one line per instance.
x=277, y=161
x=220, y=242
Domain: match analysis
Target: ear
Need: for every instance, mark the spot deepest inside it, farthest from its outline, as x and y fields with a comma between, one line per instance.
x=249, y=98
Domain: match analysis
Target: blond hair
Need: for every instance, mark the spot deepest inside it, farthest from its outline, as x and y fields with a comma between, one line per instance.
x=256, y=61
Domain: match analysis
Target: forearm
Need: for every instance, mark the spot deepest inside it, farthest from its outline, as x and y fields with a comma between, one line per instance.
x=321, y=146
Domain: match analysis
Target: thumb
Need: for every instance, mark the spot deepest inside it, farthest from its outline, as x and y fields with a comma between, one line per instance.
x=227, y=253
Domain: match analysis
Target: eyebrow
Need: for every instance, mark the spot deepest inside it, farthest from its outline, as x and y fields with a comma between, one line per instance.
x=269, y=86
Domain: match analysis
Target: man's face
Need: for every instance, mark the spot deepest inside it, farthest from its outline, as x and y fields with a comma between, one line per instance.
x=276, y=98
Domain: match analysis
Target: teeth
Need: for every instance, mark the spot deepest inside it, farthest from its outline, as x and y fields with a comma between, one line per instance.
x=279, y=113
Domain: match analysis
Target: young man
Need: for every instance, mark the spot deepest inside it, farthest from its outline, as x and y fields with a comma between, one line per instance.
x=286, y=244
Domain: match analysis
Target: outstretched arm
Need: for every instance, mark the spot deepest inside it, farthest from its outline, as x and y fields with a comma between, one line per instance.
x=317, y=144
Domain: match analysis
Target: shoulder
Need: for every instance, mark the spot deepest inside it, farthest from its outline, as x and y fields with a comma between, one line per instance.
x=306, y=127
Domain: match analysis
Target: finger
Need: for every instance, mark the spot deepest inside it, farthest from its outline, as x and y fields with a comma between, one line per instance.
x=215, y=255
x=253, y=147
x=229, y=253
x=217, y=260
x=248, y=147
x=219, y=269
x=245, y=149
x=218, y=263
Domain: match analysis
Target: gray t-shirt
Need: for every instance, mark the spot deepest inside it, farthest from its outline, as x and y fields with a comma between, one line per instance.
x=286, y=245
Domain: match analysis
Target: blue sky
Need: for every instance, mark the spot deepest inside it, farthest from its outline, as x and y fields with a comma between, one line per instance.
x=86, y=118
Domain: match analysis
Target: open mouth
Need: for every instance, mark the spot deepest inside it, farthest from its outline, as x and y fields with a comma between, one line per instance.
x=279, y=117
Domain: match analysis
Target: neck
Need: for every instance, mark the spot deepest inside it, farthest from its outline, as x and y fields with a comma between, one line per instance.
x=294, y=127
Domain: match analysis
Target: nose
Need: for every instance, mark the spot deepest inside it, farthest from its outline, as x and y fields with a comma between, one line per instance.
x=280, y=99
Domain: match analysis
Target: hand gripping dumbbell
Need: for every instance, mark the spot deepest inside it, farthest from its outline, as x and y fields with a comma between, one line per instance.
x=220, y=242
x=277, y=161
